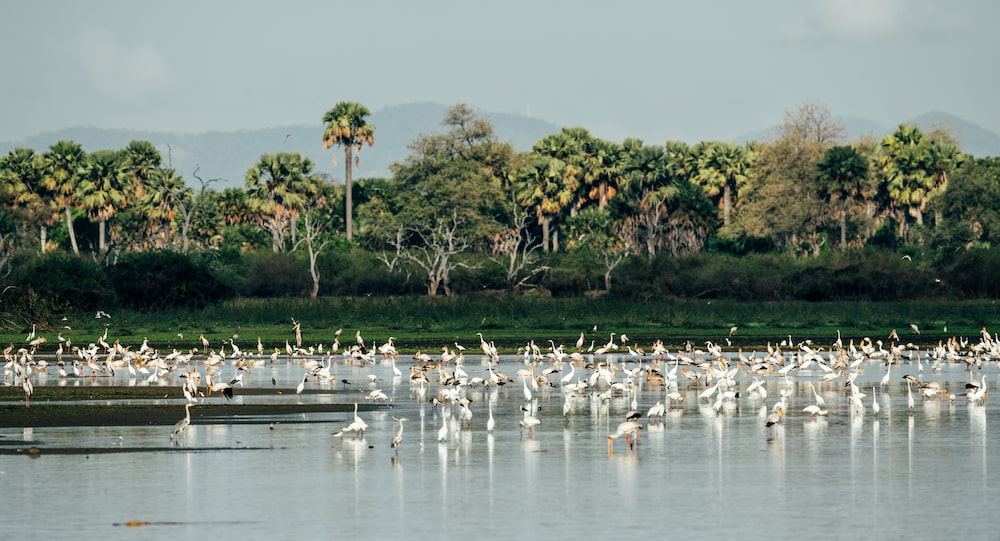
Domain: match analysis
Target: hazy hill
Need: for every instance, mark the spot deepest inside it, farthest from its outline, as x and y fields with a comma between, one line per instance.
x=972, y=138
x=227, y=155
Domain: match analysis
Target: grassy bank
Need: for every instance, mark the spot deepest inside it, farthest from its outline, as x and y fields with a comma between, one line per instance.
x=422, y=323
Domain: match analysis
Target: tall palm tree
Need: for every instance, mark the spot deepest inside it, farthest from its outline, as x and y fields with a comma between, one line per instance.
x=63, y=162
x=844, y=172
x=650, y=186
x=278, y=185
x=346, y=126
x=723, y=167
x=101, y=190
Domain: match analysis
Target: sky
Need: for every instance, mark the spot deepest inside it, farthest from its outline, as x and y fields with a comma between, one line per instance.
x=657, y=70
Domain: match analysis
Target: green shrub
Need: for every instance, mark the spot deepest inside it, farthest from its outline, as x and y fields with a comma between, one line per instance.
x=162, y=280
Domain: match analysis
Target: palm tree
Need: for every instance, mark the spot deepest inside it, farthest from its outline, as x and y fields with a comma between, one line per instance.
x=139, y=161
x=22, y=173
x=346, y=126
x=723, y=167
x=844, y=171
x=903, y=165
x=101, y=190
x=278, y=186
x=571, y=147
x=651, y=187
x=164, y=192
x=540, y=186
x=63, y=162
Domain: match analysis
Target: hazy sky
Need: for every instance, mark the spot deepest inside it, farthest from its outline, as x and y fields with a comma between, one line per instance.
x=657, y=70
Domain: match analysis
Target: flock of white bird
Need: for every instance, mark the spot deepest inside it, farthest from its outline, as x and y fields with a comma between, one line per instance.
x=614, y=370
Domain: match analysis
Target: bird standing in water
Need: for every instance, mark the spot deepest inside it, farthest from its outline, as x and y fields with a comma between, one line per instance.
x=529, y=422
x=630, y=428
x=397, y=438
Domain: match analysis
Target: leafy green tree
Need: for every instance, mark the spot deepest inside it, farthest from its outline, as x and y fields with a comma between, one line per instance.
x=278, y=186
x=102, y=190
x=784, y=203
x=346, y=126
x=63, y=163
x=443, y=199
x=845, y=172
x=970, y=206
x=595, y=230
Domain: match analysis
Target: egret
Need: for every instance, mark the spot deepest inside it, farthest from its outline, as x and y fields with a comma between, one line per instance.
x=490, y=423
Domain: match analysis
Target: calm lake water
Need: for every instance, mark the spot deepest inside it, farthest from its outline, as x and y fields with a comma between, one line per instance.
x=697, y=473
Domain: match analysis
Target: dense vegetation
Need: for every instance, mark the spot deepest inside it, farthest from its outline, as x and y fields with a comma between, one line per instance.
x=802, y=216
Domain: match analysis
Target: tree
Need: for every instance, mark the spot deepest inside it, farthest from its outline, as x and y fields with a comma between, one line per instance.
x=278, y=186
x=540, y=186
x=346, y=127
x=443, y=198
x=594, y=229
x=315, y=232
x=907, y=182
x=101, y=190
x=970, y=206
x=515, y=249
x=845, y=172
x=63, y=162
x=650, y=189
x=140, y=161
x=784, y=203
x=164, y=194
x=22, y=173
x=723, y=167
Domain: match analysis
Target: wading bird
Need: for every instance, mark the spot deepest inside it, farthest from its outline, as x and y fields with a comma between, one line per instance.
x=630, y=428
x=397, y=438
x=182, y=426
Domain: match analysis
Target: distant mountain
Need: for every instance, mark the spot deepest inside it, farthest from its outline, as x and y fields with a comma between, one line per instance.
x=228, y=155
x=973, y=139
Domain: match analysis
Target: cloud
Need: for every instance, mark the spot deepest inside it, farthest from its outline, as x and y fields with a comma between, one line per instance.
x=862, y=18
x=119, y=72
x=846, y=21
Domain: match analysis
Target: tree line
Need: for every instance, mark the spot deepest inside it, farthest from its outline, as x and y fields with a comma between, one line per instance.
x=464, y=201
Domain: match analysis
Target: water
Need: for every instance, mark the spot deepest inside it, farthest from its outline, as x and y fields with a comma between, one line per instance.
x=698, y=473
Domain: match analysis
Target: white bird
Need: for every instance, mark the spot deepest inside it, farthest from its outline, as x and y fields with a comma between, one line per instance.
x=490, y=423
x=656, y=411
x=358, y=426
x=529, y=422
x=630, y=428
